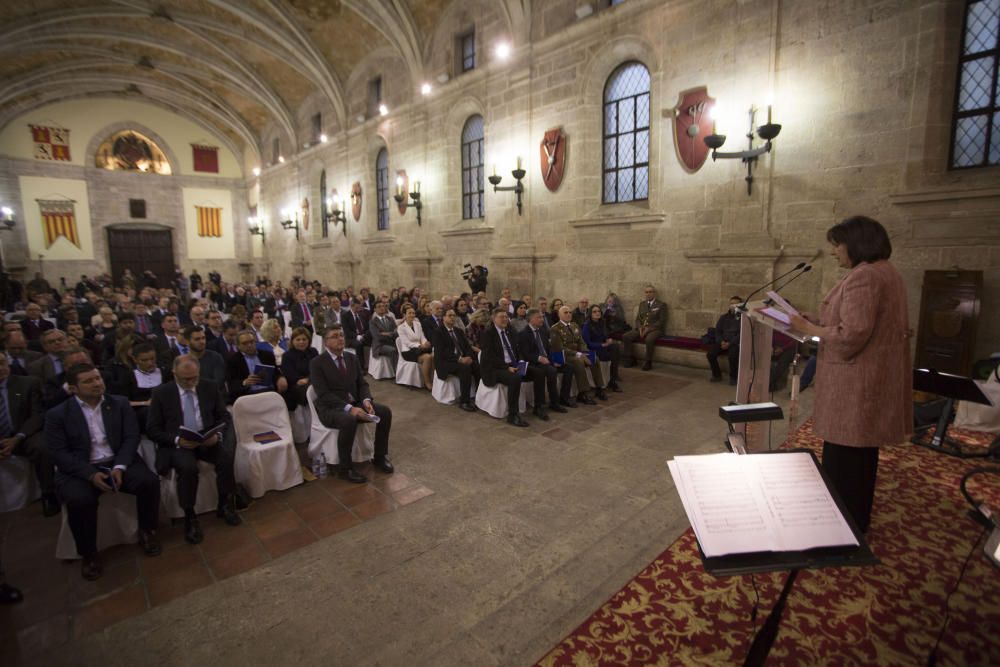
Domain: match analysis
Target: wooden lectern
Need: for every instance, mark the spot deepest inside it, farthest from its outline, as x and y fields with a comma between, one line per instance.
x=754, y=373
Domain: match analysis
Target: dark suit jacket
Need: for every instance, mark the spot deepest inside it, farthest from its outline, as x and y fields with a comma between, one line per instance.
x=219, y=345
x=334, y=389
x=445, y=352
x=351, y=332
x=43, y=369
x=298, y=314
x=492, y=359
x=527, y=346
x=430, y=328
x=237, y=372
x=213, y=367
x=24, y=405
x=34, y=332
x=166, y=417
x=25, y=361
x=68, y=437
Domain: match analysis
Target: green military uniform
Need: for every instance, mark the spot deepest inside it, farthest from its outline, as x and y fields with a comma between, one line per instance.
x=650, y=323
x=565, y=337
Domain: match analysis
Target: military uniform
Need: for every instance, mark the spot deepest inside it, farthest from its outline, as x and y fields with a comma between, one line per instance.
x=649, y=325
x=565, y=337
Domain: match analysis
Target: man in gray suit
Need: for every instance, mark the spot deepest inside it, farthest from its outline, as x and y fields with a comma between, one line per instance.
x=49, y=366
x=649, y=325
x=383, y=331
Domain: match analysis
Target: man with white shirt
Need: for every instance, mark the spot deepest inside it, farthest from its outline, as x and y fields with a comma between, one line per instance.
x=256, y=322
x=168, y=343
x=343, y=399
x=499, y=362
x=92, y=440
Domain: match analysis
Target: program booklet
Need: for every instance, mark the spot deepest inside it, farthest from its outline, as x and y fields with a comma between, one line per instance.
x=195, y=436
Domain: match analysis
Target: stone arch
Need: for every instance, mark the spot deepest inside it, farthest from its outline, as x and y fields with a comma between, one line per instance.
x=108, y=130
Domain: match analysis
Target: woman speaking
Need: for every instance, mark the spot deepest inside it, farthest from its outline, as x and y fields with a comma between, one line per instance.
x=864, y=381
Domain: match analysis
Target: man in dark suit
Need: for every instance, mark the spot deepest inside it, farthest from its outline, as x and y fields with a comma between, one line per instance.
x=499, y=364
x=355, y=323
x=343, y=399
x=533, y=346
x=302, y=312
x=168, y=343
x=18, y=354
x=199, y=406
x=126, y=327
x=213, y=366
x=33, y=325
x=213, y=326
x=240, y=377
x=453, y=356
x=382, y=328
x=431, y=323
x=226, y=343
x=49, y=366
x=92, y=440
x=21, y=421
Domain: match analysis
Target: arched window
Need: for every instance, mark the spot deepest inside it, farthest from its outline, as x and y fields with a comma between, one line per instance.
x=626, y=134
x=472, y=168
x=324, y=226
x=976, y=124
x=382, y=188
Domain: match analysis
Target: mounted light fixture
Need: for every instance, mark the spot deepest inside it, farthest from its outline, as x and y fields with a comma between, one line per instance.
x=767, y=132
x=425, y=89
x=414, y=199
x=335, y=212
x=256, y=171
x=290, y=220
x=7, y=220
x=517, y=188
x=256, y=227
x=503, y=50
x=383, y=110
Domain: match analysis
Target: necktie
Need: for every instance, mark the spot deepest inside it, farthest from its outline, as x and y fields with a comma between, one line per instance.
x=357, y=322
x=15, y=363
x=454, y=338
x=230, y=347
x=190, y=415
x=340, y=365
x=5, y=427
x=538, y=342
x=306, y=313
x=506, y=345
x=173, y=345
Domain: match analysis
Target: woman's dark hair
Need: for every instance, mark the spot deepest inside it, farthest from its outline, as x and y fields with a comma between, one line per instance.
x=866, y=239
x=590, y=312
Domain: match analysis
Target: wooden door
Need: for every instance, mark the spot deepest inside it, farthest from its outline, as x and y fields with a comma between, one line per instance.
x=949, y=314
x=139, y=250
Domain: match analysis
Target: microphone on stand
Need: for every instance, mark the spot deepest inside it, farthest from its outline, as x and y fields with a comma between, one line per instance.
x=806, y=270
x=743, y=306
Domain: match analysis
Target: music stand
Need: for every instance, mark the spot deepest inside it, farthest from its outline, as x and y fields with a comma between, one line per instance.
x=953, y=388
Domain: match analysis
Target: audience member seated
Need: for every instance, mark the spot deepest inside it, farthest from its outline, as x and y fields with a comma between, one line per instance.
x=55, y=390
x=242, y=377
x=143, y=322
x=213, y=328
x=328, y=312
x=302, y=313
x=295, y=368
x=106, y=323
x=432, y=321
x=356, y=334
x=566, y=338
x=453, y=355
x=533, y=347
x=76, y=337
x=519, y=321
x=552, y=317
x=415, y=345
x=21, y=421
x=581, y=314
x=615, y=321
x=18, y=354
x=650, y=322
x=49, y=365
x=255, y=324
x=126, y=327
x=197, y=405
x=343, y=399
x=383, y=333
x=271, y=339
x=33, y=325
x=225, y=345
x=144, y=378
x=92, y=440
x=498, y=364
x=726, y=340
x=478, y=322
x=168, y=346
x=212, y=366
x=595, y=335
x=462, y=314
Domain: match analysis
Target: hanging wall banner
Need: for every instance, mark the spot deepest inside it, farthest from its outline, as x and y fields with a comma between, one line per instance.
x=209, y=221
x=58, y=219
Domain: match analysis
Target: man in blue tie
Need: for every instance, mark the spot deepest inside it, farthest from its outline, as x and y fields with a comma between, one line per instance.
x=532, y=343
x=499, y=365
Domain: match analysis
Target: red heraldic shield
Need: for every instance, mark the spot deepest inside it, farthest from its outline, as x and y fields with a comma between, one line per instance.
x=553, y=155
x=691, y=125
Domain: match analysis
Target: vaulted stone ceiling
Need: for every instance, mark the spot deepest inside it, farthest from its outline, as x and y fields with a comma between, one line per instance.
x=236, y=65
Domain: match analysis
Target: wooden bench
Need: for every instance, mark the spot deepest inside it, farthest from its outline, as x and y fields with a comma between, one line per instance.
x=680, y=350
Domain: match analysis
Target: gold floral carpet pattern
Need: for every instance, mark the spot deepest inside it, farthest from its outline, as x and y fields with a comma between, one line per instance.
x=675, y=613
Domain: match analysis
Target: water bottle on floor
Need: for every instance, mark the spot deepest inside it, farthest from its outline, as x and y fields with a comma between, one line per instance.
x=322, y=466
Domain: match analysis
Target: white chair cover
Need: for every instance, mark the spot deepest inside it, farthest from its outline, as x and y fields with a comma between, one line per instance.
x=493, y=400
x=117, y=523
x=18, y=485
x=300, y=424
x=407, y=372
x=207, y=499
x=446, y=391
x=286, y=320
x=317, y=343
x=324, y=439
x=260, y=467
x=380, y=368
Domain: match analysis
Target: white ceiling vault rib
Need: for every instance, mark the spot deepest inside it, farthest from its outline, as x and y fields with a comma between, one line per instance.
x=392, y=18
x=518, y=15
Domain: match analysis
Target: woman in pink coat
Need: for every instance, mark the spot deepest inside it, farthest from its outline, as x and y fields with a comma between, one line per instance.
x=864, y=377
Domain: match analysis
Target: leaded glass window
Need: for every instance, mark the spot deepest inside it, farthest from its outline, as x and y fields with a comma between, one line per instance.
x=976, y=132
x=382, y=188
x=472, y=168
x=468, y=44
x=626, y=134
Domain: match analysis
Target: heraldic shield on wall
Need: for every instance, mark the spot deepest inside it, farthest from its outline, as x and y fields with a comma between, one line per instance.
x=553, y=155
x=692, y=123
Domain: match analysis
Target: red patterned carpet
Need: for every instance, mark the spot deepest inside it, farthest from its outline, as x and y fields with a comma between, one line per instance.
x=674, y=613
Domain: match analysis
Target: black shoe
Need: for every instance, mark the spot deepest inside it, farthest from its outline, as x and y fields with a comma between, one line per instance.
x=568, y=402
x=716, y=378
x=9, y=594
x=91, y=568
x=150, y=543
x=648, y=366
x=615, y=388
x=352, y=476
x=541, y=413
x=586, y=400
x=515, y=420
x=50, y=506
x=555, y=407
x=227, y=512
x=385, y=465
x=192, y=531
x=468, y=407
x=600, y=394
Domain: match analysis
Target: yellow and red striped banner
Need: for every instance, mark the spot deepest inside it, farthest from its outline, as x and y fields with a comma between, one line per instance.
x=209, y=221
x=58, y=219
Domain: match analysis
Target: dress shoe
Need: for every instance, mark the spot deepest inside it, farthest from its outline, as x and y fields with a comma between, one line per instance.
x=555, y=407
x=91, y=567
x=50, y=506
x=568, y=402
x=9, y=594
x=468, y=407
x=227, y=512
x=150, y=542
x=541, y=413
x=716, y=378
x=515, y=420
x=192, y=531
x=384, y=464
x=648, y=366
x=586, y=400
x=615, y=388
x=352, y=476
x=600, y=394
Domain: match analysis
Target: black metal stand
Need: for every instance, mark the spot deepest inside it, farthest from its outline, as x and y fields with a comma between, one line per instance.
x=762, y=643
x=951, y=387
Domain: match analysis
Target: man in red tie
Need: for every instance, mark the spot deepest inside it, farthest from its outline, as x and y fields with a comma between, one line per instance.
x=302, y=315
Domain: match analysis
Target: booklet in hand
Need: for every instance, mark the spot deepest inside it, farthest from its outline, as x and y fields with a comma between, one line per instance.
x=266, y=374
x=522, y=368
x=558, y=358
x=195, y=436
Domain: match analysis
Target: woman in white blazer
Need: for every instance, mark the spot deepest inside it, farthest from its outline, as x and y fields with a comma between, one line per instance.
x=415, y=347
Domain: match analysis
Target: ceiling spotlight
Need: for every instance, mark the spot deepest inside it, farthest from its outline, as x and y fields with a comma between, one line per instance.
x=256, y=171
x=323, y=138
x=425, y=89
x=383, y=110
x=503, y=50
x=281, y=159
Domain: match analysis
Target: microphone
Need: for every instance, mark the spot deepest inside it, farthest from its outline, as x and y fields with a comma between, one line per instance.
x=743, y=306
x=806, y=270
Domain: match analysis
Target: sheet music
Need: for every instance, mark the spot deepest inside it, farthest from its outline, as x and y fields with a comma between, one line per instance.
x=745, y=504
x=782, y=303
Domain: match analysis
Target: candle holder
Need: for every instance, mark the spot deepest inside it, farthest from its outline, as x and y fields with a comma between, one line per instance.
x=767, y=132
x=334, y=213
x=414, y=198
x=256, y=226
x=517, y=188
x=291, y=221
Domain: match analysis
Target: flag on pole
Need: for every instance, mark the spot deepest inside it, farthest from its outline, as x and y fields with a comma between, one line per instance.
x=58, y=219
x=209, y=221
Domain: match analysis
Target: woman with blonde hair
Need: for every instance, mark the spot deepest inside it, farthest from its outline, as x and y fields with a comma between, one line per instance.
x=273, y=341
x=416, y=347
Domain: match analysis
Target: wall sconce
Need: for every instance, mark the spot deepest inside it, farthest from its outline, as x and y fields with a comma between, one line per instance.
x=517, y=188
x=7, y=220
x=290, y=220
x=256, y=226
x=767, y=132
x=334, y=212
x=414, y=199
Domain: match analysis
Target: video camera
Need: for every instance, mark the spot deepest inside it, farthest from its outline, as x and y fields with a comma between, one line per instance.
x=469, y=269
